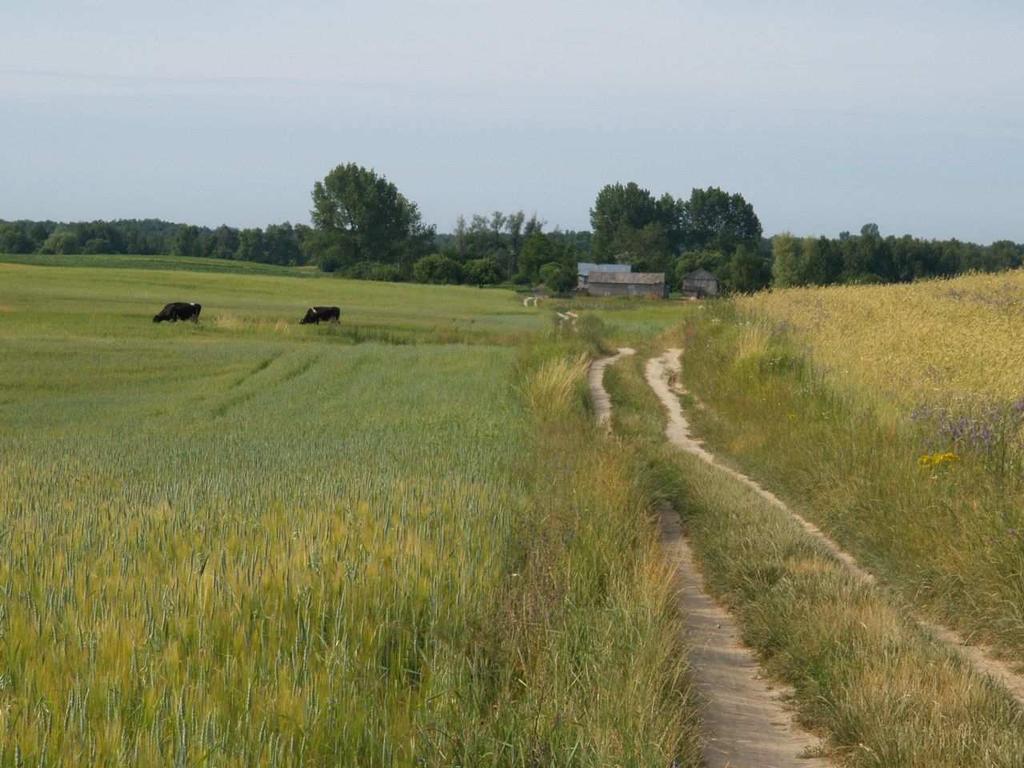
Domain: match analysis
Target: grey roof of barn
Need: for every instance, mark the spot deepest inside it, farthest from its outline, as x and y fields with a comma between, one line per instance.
x=586, y=267
x=628, y=278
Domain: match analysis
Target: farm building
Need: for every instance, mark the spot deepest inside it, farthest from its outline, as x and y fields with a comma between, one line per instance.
x=699, y=284
x=584, y=270
x=649, y=284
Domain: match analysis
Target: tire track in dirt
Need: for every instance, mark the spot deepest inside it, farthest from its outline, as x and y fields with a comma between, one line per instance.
x=662, y=374
x=598, y=394
x=260, y=379
x=744, y=720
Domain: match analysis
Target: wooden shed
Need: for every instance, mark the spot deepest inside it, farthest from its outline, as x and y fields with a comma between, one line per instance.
x=584, y=270
x=699, y=284
x=649, y=284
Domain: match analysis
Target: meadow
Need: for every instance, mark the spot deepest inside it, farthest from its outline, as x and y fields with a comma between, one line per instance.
x=245, y=542
x=157, y=261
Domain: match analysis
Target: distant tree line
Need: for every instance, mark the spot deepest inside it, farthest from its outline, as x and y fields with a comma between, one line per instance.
x=364, y=228
x=871, y=258
x=276, y=244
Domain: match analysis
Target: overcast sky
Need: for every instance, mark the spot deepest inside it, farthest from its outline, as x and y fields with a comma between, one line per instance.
x=824, y=115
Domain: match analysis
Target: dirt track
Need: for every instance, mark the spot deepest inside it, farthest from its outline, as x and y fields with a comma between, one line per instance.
x=662, y=376
x=598, y=394
x=745, y=723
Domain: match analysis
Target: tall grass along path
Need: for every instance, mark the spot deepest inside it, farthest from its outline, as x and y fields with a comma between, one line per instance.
x=662, y=374
x=744, y=722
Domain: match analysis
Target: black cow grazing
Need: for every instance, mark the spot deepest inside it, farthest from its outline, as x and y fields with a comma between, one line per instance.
x=179, y=310
x=316, y=314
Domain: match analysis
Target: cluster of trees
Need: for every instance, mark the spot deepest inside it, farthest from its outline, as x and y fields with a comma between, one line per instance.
x=871, y=258
x=712, y=229
x=365, y=228
x=276, y=244
x=505, y=248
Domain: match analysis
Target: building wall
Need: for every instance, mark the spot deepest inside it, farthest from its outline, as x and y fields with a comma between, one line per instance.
x=656, y=291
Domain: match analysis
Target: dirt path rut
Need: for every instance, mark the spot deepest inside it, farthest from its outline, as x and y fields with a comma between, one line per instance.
x=662, y=375
x=598, y=394
x=745, y=722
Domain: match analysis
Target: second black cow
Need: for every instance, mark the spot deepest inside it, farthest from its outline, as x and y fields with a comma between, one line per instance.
x=178, y=310
x=316, y=314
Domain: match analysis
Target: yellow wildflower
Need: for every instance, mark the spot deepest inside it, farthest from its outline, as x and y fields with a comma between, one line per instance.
x=937, y=459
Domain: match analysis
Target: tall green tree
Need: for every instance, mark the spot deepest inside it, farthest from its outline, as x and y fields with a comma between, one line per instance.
x=746, y=270
x=540, y=249
x=648, y=249
x=14, y=240
x=619, y=213
x=361, y=216
x=282, y=246
x=186, y=241
x=786, y=269
x=252, y=245
x=514, y=227
x=713, y=219
x=224, y=243
x=61, y=240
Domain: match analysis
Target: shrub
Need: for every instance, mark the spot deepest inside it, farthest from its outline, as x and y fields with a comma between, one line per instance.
x=557, y=277
x=61, y=241
x=374, y=270
x=482, y=271
x=438, y=269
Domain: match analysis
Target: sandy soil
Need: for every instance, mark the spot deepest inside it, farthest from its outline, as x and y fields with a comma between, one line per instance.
x=745, y=721
x=598, y=394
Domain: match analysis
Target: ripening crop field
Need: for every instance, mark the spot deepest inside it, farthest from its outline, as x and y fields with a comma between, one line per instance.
x=894, y=416
x=917, y=343
x=247, y=542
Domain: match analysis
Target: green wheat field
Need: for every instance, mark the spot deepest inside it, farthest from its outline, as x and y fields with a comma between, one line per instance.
x=247, y=542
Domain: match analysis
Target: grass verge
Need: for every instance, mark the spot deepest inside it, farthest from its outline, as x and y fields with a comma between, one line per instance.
x=865, y=676
x=943, y=525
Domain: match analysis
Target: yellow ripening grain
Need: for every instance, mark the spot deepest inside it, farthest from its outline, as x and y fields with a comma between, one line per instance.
x=913, y=342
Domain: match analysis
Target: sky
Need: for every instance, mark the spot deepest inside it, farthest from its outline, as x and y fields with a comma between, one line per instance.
x=824, y=115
